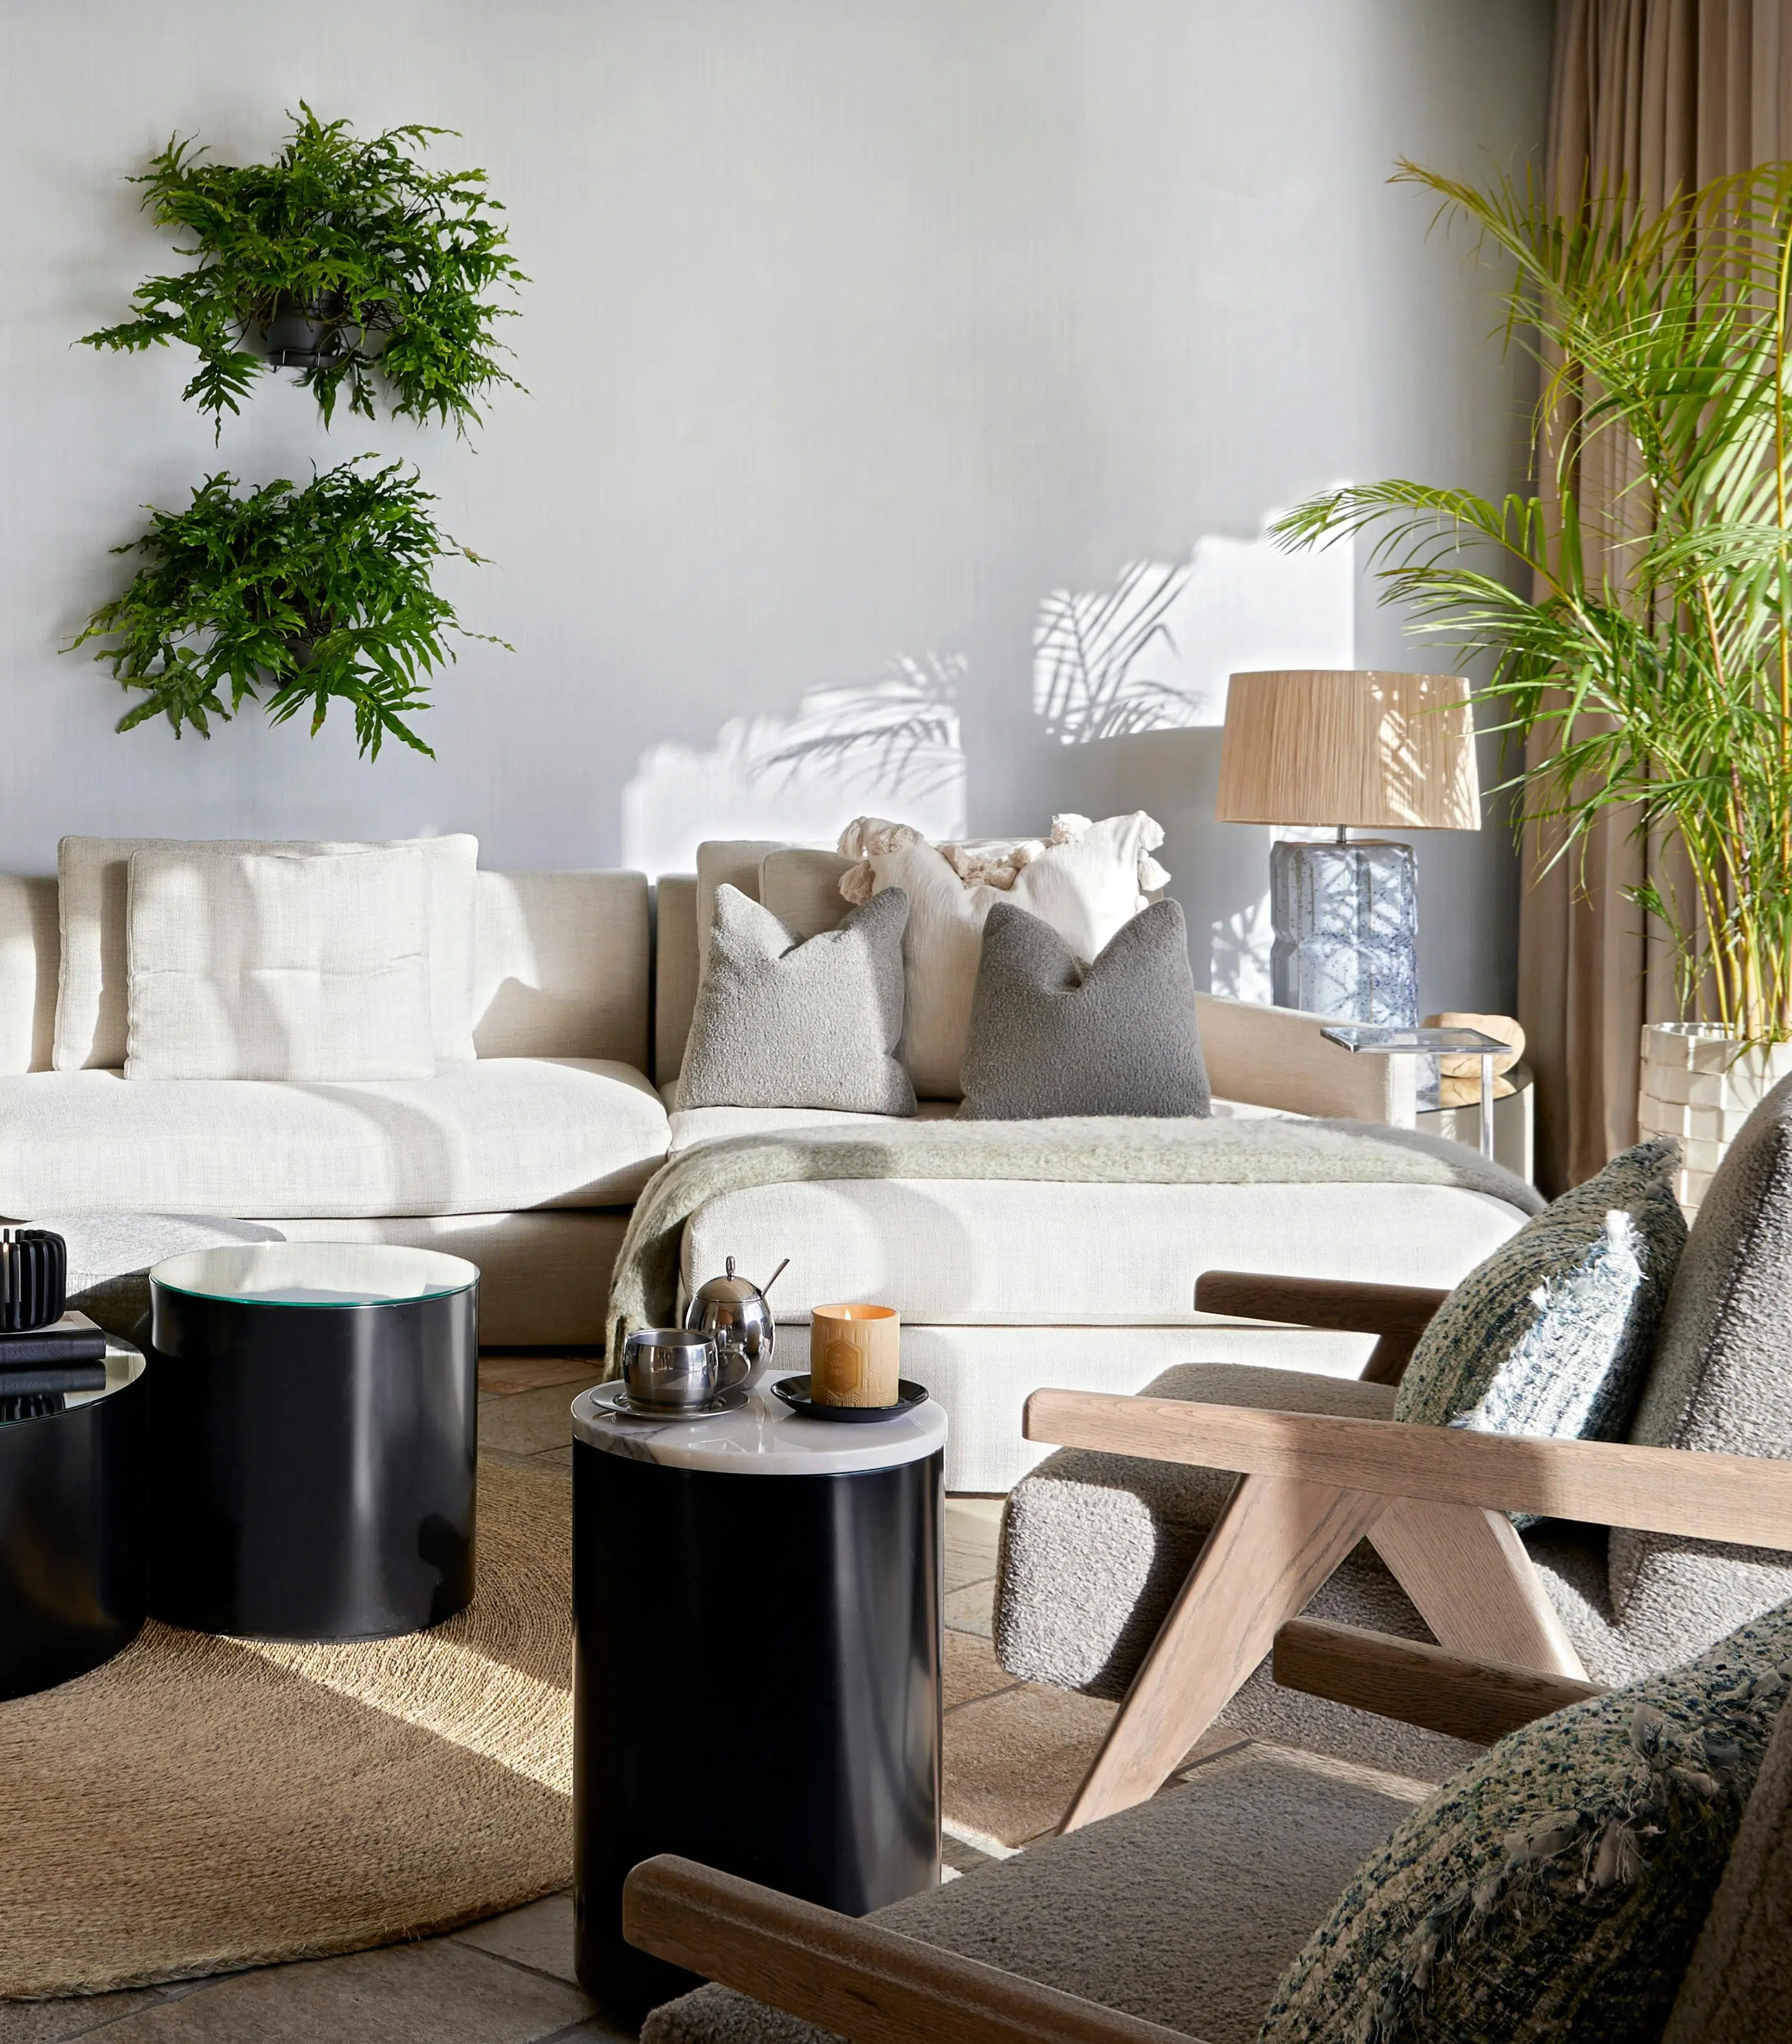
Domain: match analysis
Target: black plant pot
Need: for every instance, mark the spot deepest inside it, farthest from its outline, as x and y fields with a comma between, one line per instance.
x=311, y=334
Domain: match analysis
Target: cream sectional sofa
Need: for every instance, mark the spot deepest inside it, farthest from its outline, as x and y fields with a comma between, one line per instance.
x=526, y=1161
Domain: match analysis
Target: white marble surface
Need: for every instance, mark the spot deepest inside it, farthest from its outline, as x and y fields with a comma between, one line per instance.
x=765, y=1438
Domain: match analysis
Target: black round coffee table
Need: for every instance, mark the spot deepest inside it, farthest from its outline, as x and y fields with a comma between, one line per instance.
x=756, y=1673
x=314, y=1432
x=71, y=1530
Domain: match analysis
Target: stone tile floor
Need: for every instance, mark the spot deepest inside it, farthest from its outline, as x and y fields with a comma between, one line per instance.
x=1014, y=1752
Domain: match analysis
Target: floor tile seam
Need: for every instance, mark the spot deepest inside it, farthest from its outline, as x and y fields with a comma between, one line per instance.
x=505, y=1959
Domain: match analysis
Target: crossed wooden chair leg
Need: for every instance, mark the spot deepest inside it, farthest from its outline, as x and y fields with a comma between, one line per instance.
x=1274, y=1546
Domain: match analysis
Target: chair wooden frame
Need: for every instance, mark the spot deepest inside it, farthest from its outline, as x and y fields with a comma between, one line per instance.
x=874, y=1986
x=1432, y=1500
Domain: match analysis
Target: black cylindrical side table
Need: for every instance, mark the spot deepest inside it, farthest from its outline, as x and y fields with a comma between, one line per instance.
x=756, y=1671
x=72, y=1531
x=314, y=1429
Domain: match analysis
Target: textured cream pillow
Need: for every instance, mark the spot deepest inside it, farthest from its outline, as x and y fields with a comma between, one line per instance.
x=91, y=877
x=278, y=966
x=1086, y=881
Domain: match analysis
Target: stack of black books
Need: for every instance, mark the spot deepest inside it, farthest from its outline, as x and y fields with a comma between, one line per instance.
x=46, y=1354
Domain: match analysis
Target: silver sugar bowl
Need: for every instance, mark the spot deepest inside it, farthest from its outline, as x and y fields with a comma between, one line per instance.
x=734, y=1310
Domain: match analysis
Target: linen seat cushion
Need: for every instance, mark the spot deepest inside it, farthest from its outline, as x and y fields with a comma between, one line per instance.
x=1017, y=1251
x=1721, y=1384
x=1183, y=1910
x=786, y=1021
x=491, y=1136
x=92, y=906
x=1051, y=1036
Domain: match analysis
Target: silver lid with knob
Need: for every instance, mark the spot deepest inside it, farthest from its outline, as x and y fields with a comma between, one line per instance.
x=734, y=1310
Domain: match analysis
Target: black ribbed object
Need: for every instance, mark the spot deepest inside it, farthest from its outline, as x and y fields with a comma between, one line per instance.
x=33, y=1278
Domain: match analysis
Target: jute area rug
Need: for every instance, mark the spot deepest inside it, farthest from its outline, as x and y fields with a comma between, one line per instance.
x=200, y=1805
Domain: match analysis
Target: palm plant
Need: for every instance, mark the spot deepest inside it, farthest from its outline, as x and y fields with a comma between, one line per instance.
x=317, y=595
x=1640, y=637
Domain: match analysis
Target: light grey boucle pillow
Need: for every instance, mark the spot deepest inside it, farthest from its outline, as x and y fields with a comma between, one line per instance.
x=1050, y=1036
x=781, y=1022
x=1553, y=1333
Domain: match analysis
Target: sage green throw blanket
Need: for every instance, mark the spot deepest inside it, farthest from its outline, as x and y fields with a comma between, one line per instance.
x=1098, y=1149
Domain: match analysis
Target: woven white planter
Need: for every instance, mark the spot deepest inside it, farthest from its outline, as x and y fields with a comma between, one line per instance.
x=1698, y=1086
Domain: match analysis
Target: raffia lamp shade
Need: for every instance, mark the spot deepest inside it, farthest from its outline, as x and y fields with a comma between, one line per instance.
x=1349, y=747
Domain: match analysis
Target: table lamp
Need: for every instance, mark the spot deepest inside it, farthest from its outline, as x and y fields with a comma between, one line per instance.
x=1351, y=750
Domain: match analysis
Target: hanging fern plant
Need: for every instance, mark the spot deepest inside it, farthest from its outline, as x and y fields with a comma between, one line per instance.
x=310, y=596
x=345, y=258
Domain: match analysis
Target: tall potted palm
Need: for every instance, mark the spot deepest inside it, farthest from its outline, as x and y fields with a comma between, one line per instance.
x=1640, y=637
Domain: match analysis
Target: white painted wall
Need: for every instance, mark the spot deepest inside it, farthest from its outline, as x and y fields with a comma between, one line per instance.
x=857, y=327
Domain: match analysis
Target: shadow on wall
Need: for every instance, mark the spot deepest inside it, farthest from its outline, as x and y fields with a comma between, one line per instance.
x=1129, y=681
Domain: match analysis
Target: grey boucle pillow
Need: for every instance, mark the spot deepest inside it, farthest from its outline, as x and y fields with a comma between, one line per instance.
x=814, y=1022
x=1050, y=1036
x=1554, y=1332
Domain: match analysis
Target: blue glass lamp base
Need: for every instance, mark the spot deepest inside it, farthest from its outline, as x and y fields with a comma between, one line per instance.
x=1346, y=920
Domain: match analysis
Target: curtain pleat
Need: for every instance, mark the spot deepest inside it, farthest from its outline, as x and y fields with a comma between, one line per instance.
x=1658, y=96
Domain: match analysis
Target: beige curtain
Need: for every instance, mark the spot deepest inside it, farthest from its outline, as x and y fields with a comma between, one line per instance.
x=1658, y=95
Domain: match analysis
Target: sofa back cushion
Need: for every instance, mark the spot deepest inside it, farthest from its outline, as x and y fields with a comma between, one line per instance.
x=1085, y=882
x=278, y=966
x=92, y=875
x=29, y=947
x=562, y=966
x=1721, y=1384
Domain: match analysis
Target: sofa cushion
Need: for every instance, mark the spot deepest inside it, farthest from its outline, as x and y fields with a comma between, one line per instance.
x=492, y=1136
x=273, y=965
x=1088, y=881
x=92, y=874
x=968, y=1252
x=1051, y=1035
x=785, y=1020
x=1552, y=1334
x=1181, y=1910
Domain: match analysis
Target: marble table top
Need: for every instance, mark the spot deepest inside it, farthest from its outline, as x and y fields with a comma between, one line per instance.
x=764, y=1438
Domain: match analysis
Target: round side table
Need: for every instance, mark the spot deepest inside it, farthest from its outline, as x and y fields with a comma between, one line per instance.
x=314, y=1430
x=71, y=1530
x=758, y=1602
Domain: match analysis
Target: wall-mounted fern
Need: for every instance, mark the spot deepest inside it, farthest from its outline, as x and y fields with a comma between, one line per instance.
x=391, y=266
x=319, y=595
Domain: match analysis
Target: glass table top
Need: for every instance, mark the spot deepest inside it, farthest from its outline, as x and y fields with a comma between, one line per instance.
x=124, y=1365
x=1413, y=1042
x=315, y=1273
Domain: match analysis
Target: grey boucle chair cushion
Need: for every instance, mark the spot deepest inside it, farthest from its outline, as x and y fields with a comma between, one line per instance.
x=1721, y=1384
x=1094, y=1548
x=1185, y=1910
x=1050, y=1036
